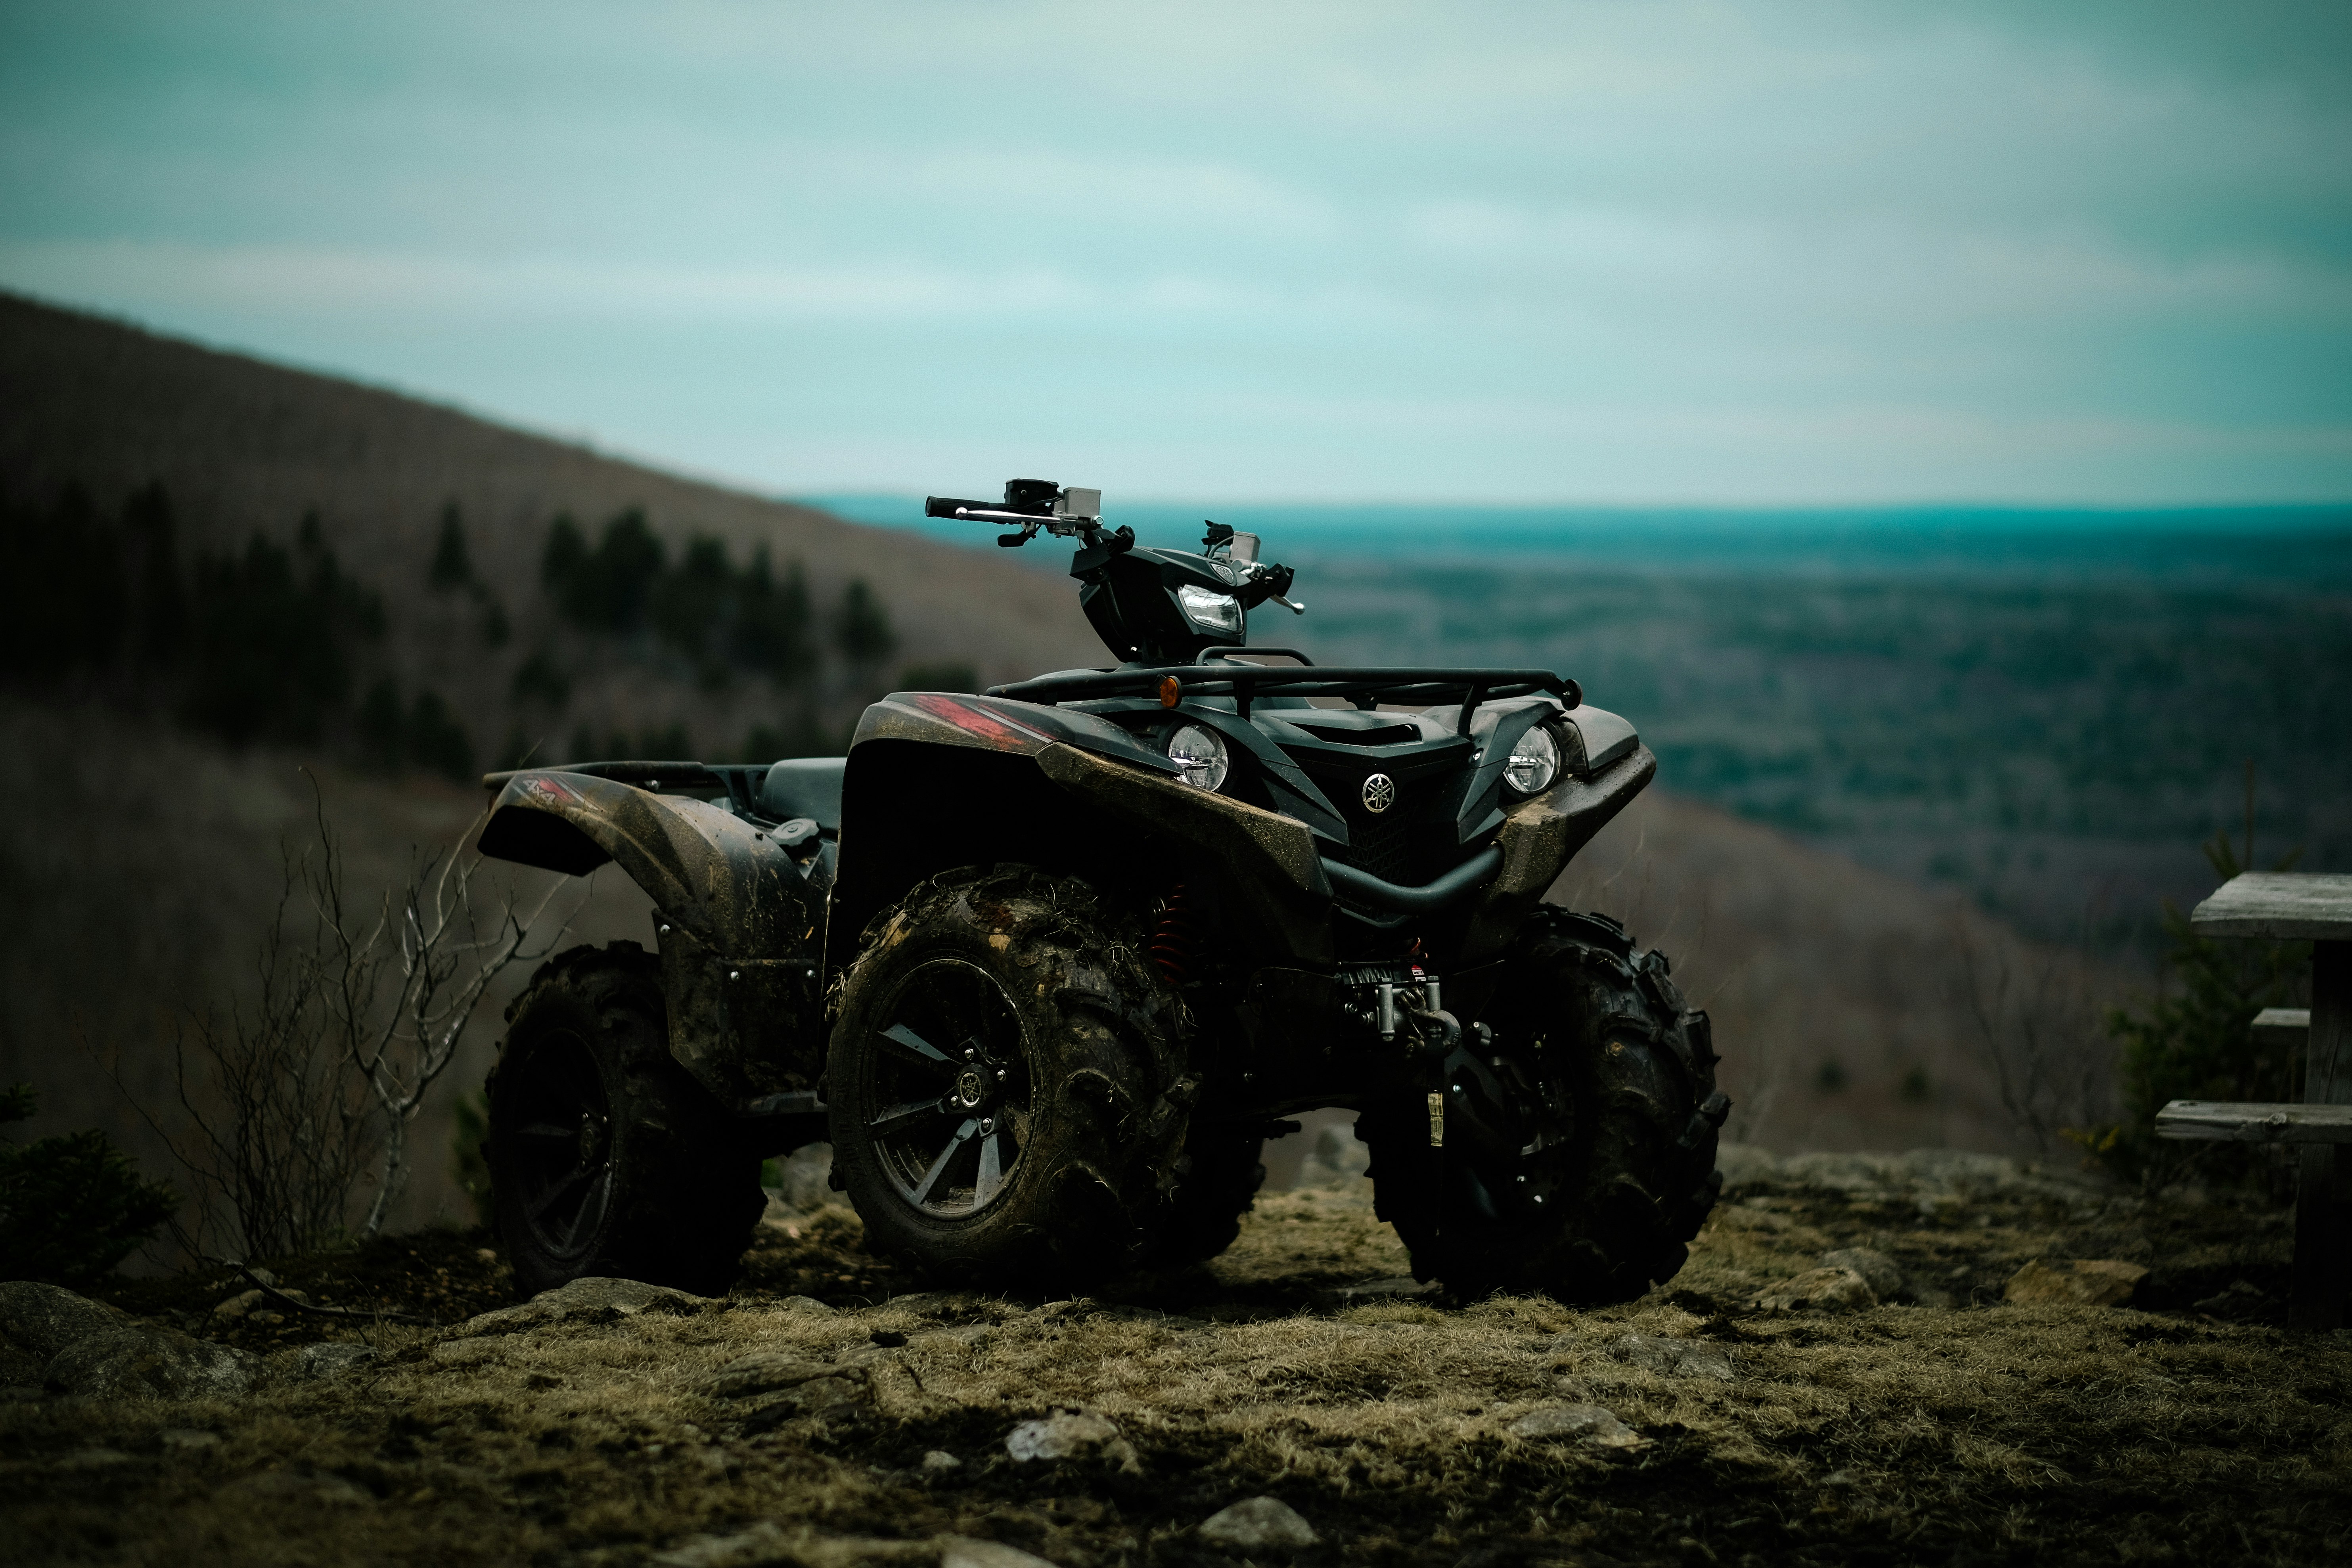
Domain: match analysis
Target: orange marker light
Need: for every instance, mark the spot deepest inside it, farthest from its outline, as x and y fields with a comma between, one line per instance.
x=1171, y=691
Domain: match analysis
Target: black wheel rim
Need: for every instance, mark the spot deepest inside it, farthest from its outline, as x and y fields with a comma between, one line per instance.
x=946, y=1100
x=562, y=1147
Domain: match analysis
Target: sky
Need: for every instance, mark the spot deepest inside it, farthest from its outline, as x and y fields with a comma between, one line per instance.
x=1819, y=252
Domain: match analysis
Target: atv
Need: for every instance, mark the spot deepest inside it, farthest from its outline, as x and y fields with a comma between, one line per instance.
x=1046, y=966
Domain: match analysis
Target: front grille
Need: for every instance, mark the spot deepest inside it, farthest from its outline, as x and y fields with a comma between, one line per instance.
x=1411, y=842
x=1382, y=845
x=1385, y=844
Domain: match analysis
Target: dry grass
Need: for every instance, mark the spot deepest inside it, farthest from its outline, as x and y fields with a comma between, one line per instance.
x=1970, y=1431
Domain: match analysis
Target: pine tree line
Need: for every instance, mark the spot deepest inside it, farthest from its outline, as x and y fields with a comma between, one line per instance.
x=275, y=642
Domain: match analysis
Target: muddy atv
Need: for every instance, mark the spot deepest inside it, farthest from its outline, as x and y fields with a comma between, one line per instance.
x=1047, y=965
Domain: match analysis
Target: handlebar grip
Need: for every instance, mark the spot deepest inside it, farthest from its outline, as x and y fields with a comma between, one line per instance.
x=947, y=506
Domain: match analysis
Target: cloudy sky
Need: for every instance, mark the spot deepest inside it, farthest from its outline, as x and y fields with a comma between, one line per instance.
x=1655, y=252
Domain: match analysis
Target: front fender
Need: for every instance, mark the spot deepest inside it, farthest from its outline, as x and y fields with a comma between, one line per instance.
x=738, y=920
x=1537, y=840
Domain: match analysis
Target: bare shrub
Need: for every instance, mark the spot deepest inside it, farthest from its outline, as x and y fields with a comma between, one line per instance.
x=2038, y=1032
x=296, y=1109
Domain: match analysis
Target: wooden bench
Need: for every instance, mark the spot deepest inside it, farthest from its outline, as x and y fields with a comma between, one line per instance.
x=2293, y=906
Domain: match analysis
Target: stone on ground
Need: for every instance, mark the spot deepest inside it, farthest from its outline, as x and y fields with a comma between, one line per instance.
x=2101, y=1282
x=962, y=1552
x=1673, y=1357
x=331, y=1359
x=1258, y=1525
x=1070, y=1435
x=81, y=1347
x=1819, y=1290
x=1880, y=1272
x=1588, y=1423
x=589, y=1300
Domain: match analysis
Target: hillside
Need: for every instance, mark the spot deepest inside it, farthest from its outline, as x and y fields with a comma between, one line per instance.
x=241, y=446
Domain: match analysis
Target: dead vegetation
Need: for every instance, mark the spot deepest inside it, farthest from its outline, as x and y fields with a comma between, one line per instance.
x=805, y=1419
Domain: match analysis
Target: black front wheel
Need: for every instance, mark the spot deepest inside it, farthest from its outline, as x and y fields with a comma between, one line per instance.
x=606, y=1157
x=1006, y=1083
x=1578, y=1145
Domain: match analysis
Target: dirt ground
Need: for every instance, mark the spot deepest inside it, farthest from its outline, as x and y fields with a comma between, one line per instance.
x=831, y=1411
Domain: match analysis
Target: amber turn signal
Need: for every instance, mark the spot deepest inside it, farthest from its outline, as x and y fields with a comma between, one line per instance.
x=1171, y=691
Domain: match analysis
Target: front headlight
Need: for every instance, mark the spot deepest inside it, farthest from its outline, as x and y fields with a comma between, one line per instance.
x=1209, y=610
x=1535, y=762
x=1201, y=756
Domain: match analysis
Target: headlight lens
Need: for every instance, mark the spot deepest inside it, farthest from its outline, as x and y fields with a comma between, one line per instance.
x=1209, y=610
x=1199, y=754
x=1535, y=762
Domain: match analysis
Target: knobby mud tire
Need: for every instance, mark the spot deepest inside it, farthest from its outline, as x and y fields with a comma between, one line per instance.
x=669, y=1196
x=1622, y=1074
x=1219, y=1177
x=1095, y=1108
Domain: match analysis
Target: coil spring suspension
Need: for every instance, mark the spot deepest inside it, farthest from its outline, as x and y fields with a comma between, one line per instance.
x=1173, y=939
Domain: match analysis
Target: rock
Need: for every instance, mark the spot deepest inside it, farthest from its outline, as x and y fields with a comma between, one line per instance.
x=807, y=1306
x=1258, y=1525
x=939, y=1462
x=2093, y=1283
x=1672, y=1358
x=768, y=1542
x=1588, y=1423
x=151, y=1363
x=804, y=1179
x=589, y=1300
x=331, y=1359
x=1338, y=1158
x=769, y=1370
x=1880, y=1272
x=763, y=1542
x=42, y=1319
x=2241, y=1299
x=1819, y=1290
x=1070, y=1435
x=962, y=1552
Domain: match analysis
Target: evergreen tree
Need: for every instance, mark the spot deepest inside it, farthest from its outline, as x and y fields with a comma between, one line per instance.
x=2198, y=1042
x=453, y=566
x=861, y=628
x=771, y=631
x=72, y=1206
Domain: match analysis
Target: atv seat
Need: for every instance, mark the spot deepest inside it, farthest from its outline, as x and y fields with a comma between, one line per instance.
x=805, y=786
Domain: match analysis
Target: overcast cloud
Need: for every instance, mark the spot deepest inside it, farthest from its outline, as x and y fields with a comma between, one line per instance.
x=1738, y=253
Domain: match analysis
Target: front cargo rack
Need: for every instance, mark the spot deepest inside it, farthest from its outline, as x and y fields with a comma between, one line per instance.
x=1366, y=686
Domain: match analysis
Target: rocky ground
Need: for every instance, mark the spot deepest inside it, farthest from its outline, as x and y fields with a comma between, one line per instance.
x=1837, y=1375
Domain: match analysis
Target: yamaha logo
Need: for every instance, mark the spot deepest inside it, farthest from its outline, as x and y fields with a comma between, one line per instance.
x=1380, y=793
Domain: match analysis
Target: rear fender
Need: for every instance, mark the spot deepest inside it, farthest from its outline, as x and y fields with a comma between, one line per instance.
x=739, y=919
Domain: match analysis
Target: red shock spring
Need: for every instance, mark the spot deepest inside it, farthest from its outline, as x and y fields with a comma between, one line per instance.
x=1172, y=939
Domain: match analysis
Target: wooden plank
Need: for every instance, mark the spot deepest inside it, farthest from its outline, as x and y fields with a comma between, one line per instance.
x=2287, y=1026
x=2248, y=1122
x=2284, y=906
